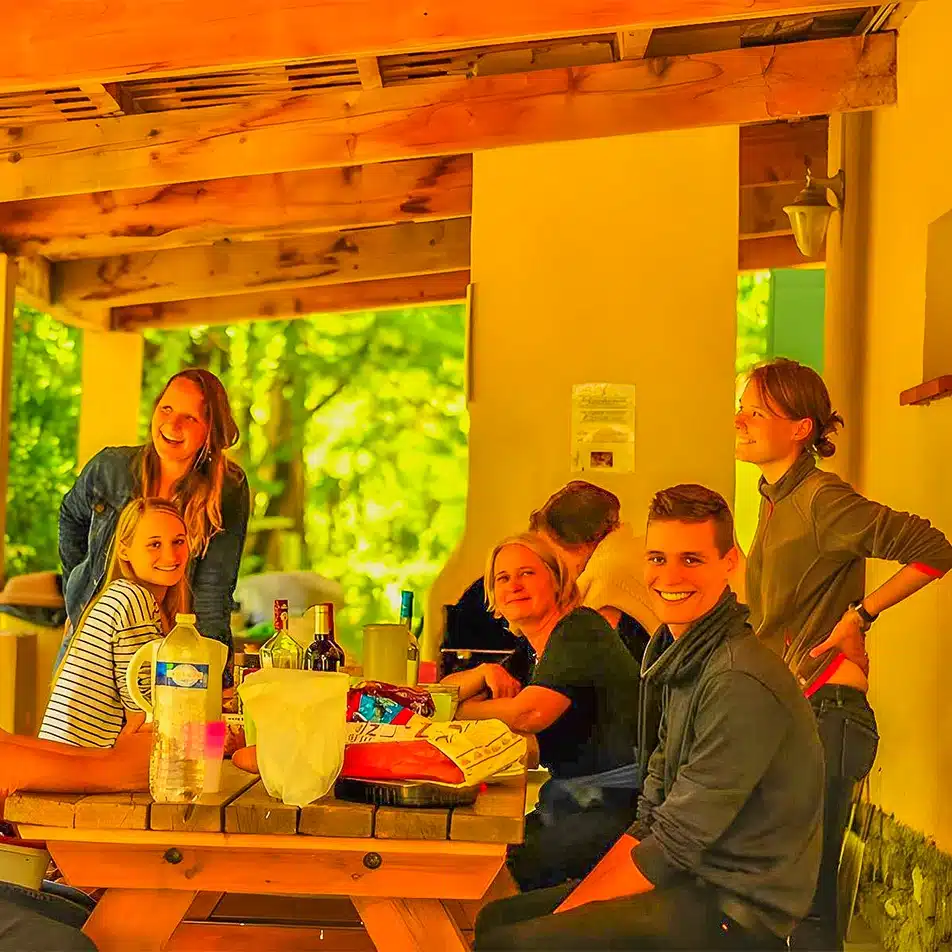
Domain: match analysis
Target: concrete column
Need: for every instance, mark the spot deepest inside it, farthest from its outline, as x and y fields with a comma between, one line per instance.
x=112, y=385
x=609, y=260
x=847, y=251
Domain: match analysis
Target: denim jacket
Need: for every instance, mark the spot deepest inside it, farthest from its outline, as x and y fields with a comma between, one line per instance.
x=87, y=522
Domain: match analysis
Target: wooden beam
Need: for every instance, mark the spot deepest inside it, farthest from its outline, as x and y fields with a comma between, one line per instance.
x=285, y=305
x=773, y=251
x=35, y=289
x=308, y=261
x=778, y=152
x=61, y=42
x=8, y=287
x=238, y=209
x=344, y=127
x=33, y=282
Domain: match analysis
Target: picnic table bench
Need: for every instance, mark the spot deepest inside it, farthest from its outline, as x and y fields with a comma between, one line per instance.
x=415, y=876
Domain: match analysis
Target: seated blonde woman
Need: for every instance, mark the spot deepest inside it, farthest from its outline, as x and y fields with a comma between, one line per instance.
x=581, y=704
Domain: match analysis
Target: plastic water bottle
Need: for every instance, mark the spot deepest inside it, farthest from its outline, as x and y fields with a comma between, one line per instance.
x=177, y=766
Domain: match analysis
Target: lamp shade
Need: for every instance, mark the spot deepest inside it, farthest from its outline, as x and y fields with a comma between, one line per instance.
x=809, y=224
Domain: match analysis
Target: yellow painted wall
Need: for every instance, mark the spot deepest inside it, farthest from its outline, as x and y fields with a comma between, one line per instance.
x=112, y=383
x=907, y=451
x=611, y=260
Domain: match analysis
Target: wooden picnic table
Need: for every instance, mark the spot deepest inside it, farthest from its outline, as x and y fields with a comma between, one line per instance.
x=415, y=876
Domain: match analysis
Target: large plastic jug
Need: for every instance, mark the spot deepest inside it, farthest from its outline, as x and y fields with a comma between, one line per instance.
x=217, y=655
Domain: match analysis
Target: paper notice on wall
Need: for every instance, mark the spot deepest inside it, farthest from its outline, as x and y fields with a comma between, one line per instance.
x=603, y=427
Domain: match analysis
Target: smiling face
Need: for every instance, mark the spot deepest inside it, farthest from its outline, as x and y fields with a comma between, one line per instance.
x=179, y=428
x=684, y=571
x=523, y=588
x=762, y=435
x=158, y=552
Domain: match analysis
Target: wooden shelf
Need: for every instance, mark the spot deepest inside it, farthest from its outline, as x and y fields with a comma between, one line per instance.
x=926, y=392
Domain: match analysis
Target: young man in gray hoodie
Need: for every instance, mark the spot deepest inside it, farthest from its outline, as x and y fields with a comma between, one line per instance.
x=726, y=848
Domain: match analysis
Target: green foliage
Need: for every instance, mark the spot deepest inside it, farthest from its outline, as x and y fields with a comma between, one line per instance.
x=753, y=319
x=354, y=439
x=44, y=425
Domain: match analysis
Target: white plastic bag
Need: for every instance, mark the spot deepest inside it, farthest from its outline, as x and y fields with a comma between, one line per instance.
x=300, y=722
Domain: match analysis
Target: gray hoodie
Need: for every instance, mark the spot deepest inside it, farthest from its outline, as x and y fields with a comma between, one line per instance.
x=734, y=790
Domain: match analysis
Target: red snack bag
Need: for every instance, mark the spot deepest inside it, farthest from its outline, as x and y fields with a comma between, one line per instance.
x=402, y=760
x=419, y=702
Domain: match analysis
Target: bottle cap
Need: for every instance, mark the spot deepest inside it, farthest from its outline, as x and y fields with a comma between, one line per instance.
x=183, y=618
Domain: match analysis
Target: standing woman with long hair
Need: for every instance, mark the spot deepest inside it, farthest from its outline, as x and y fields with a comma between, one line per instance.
x=806, y=586
x=185, y=462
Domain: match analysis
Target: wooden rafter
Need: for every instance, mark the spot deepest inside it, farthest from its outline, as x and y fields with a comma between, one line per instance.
x=778, y=153
x=772, y=251
x=61, y=41
x=239, y=209
x=342, y=128
x=304, y=261
x=286, y=304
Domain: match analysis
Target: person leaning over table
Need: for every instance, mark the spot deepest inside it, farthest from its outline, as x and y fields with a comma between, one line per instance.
x=40, y=922
x=185, y=461
x=581, y=705
x=806, y=588
x=582, y=522
x=726, y=846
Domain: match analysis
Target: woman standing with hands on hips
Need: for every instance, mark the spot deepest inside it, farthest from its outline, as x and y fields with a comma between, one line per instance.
x=185, y=462
x=806, y=586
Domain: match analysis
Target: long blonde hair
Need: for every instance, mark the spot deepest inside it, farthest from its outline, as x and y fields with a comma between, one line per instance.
x=199, y=491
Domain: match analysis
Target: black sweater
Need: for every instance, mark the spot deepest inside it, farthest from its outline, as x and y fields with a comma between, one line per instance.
x=734, y=790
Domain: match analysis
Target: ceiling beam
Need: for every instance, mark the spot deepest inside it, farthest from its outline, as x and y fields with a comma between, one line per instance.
x=779, y=152
x=62, y=42
x=238, y=209
x=288, y=304
x=34, y=287
x=345, y=127
x=305, y=261
x=773, y=251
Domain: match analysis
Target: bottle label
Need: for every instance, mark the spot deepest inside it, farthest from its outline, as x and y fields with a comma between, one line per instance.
x=181, y=675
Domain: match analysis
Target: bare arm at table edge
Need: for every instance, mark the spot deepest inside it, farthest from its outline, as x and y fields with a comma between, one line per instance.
x=532, y=710
x=30, y=764
x=492, y=679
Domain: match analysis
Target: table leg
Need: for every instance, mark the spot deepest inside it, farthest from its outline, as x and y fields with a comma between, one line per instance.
x=410, y=925
x=137, y=920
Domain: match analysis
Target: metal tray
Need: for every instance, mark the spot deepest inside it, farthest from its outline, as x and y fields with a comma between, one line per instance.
x=409, y=793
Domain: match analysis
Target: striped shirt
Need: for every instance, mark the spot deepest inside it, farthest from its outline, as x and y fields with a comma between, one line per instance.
x=89, y=699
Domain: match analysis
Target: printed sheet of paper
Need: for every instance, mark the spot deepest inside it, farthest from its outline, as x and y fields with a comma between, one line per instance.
x=603, y=427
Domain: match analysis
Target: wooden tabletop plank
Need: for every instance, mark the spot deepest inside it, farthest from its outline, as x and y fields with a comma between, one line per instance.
x=42, y=809
x=332, y=817
x=257, y=812
x=497, y=816
x=207, y=815
x=411, y=823
x=113, y=811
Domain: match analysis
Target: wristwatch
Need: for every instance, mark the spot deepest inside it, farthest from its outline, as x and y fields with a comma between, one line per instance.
x=864, y=616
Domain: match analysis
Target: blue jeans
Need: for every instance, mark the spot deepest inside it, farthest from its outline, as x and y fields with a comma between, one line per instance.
x=32, y=921
x=850, y=739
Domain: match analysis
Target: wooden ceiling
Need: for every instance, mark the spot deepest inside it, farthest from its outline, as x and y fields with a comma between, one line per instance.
x=172, y=163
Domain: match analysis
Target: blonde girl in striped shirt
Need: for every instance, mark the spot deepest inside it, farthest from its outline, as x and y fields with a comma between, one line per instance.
x=144, y=587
